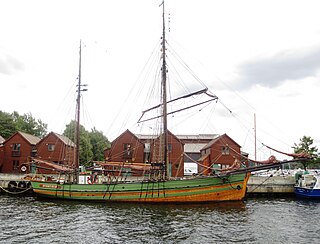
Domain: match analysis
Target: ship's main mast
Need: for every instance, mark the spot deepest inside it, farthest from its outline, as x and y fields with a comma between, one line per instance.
x=164, y=95
x=77, y=129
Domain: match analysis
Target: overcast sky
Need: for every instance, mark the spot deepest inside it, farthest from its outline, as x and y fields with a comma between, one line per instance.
x=258, y=57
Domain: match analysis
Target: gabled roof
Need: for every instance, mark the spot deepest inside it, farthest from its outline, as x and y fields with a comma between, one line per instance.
x=217, y=139
x=32, y=140
x=127, y=131
x=65, y=140
x=193, y=147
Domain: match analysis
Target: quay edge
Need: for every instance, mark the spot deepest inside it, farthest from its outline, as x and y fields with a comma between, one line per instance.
x=270, y=185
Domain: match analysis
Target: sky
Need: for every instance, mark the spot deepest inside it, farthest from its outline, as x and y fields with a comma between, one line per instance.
x=261, y=58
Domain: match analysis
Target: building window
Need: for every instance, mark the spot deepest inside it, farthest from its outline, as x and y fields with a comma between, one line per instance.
x=147, y=147
x=169, y=147
x=16, y=147
x=225, y=150
x=50, y=147
x=127, y=151
x=34, y=151
x=15, y=164
x=16, y=150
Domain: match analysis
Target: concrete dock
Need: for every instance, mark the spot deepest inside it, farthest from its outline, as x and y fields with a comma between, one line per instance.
x=270, y=185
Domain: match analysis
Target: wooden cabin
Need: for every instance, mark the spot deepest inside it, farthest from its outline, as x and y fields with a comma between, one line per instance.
x=16, y=151
x=57, y=149
x=219, y=153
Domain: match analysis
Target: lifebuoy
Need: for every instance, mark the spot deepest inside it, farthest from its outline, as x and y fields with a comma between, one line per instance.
x=23, y=168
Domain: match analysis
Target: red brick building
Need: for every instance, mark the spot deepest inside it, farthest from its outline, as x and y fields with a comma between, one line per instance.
x=205, y=151
x=218, y=153
x=57, y=149
x=16, y=151
x=132, y=148
x=126, y=148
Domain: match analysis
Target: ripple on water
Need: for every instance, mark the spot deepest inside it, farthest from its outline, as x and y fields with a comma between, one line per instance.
x=28, y=220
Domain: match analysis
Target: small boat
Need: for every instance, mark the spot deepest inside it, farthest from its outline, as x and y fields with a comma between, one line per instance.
x=308, y=186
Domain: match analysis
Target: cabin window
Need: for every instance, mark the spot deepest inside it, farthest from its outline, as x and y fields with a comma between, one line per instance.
x=127, y=150
x=50, y=147
x=225, y=150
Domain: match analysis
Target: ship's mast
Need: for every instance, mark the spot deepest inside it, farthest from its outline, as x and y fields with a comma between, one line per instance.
x=255, y=137
x=77, y=129
x=164, y=95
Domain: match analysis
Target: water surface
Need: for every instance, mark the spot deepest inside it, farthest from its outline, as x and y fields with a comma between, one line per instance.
x=276, y=220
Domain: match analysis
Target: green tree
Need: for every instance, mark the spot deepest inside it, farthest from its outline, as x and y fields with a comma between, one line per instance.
x=85, y=147
x=27, y=123
x=10, y=123
x=7, y=125
x=99, y=142
x=305, y=146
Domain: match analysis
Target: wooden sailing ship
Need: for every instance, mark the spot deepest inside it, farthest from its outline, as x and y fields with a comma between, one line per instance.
x=156, y=185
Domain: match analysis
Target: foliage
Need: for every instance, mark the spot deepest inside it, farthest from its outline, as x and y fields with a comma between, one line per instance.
x=11, y=123
x=7, y=126
x=99, y=142
x=305, y=146
x=91, y=144
x=30, y=125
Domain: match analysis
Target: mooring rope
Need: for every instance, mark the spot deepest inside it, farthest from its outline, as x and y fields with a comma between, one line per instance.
x=261, y=183
x=15, y=193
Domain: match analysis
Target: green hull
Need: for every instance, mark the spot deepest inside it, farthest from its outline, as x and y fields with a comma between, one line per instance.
x=206, y=189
